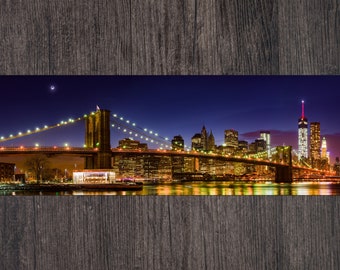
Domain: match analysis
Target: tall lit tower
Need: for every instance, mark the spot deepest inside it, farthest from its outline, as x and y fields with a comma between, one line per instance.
x=265, y=135
x=315, y=141
x=324, y=148
x=97, y=135
x=303, y=134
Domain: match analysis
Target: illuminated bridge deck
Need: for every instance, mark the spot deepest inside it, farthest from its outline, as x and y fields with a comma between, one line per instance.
x=82, y=151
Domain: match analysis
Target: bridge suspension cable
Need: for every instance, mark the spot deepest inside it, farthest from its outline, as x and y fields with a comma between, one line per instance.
x=36, y=130
x=148, y=135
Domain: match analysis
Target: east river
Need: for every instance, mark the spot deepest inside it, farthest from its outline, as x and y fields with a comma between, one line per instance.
x=208, y=188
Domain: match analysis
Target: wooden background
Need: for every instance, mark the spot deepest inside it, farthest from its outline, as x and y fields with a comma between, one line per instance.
x=46, y=37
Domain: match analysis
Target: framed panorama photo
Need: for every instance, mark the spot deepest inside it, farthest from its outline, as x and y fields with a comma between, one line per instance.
x=169, y=135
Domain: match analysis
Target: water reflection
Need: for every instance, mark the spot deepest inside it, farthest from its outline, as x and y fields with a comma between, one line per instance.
x=207, y=188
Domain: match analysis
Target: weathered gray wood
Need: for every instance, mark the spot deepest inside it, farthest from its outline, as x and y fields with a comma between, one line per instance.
x=65, y=37
x=170, y=232
x=204, y=37
x=309, y=40
x=169, y=37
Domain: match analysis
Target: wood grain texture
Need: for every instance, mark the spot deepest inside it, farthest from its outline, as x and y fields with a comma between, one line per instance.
x=169, y=37
x=172, y=232
x=309, y=39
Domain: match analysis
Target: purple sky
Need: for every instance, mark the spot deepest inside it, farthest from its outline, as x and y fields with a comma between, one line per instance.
x=172, y=105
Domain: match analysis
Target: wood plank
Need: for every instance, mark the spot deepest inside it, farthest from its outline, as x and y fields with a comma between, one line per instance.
x=206, y=37
x=170, y=232
x=309, y=39
x=65, y=37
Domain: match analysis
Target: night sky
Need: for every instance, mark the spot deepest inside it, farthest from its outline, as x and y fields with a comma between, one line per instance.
x=172, y=105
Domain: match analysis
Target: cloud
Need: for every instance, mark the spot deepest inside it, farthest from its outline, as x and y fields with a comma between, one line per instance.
x=278, y=137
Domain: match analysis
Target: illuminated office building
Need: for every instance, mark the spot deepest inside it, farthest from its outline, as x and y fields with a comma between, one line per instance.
x=231, y=138
x=242, y=147
x=130, y=144
x=324, y=148
x=177, y=144
x=196, y=142
x=231, y=141
x=265, y=135
x=303, y=135
x=324, y=155
x=315, y=141
x=260, y=145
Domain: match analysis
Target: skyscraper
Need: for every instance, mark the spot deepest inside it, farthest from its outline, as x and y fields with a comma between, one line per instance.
x=303, y=134
x=196, y=142
x=324, y=148
x=315, y=141
x=324, y=155
x=199, y=141
x=265, y=135
x=260, y=145
x=204, y=135
x=231, y=138
x=211, y=142
x=177, y=143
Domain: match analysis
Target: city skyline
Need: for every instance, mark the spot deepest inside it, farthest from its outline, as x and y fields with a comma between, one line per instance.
x=173, y=105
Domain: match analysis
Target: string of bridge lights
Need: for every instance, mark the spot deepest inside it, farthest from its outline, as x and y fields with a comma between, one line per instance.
x=36, y=130
x=131, y=128
x=118, y=122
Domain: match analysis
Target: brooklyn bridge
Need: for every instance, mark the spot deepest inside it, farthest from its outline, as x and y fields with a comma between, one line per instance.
x=163, y=162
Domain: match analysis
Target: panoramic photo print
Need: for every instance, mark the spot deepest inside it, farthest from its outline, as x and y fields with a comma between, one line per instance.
x=169, y=135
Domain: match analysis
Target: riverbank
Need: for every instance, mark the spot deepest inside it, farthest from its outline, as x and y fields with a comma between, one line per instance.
x=71, y=187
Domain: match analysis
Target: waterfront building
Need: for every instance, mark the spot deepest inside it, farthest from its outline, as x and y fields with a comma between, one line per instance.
x=303, y=135
x=94, y=176
x=128, y=165
x=177, y=143
x=265, y=135
x=146, y=166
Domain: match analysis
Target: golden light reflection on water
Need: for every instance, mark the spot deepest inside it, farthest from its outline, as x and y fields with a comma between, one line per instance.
x=210, y=188
x=242, y=189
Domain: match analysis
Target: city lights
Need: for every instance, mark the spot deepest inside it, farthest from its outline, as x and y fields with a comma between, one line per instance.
x=203, y=153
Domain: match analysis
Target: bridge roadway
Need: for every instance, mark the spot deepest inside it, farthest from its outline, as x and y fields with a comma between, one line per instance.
x=82, y=151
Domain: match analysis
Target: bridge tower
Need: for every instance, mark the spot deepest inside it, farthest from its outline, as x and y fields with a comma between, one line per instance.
x=284, y=173
x=97, y=135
